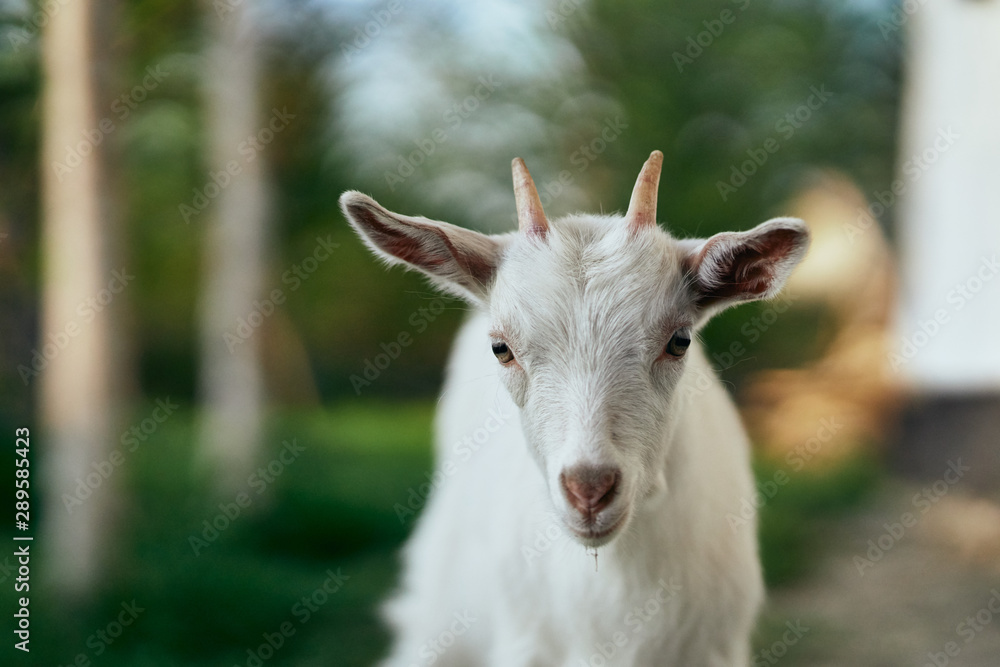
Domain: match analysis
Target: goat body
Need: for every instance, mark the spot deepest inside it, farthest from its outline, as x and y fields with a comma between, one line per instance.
x=591, y=484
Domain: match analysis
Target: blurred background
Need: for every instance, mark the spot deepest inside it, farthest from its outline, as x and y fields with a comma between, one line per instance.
x=230, y=402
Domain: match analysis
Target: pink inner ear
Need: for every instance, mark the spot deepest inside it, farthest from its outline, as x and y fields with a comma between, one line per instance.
x=395, y=241
x=422, y=245
x=478, y=267
x=747, y=269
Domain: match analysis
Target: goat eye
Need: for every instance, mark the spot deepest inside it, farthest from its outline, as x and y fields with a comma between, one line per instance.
x=679, y=342
x=503, y=353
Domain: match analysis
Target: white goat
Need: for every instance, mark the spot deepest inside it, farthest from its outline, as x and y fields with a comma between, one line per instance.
x=613, y=433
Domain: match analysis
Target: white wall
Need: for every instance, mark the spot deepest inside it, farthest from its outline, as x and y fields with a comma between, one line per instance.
x=948, y=211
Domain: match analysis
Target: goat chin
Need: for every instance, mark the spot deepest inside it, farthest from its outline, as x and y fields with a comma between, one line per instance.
x=677, y=584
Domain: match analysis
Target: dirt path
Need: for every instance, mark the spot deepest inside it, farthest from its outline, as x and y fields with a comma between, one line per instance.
x=928, y=593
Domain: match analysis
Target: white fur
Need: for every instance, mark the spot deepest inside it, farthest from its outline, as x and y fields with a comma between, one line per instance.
x=587, y=311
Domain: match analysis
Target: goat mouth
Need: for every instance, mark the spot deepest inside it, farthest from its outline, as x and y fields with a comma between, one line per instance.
x=594, y=538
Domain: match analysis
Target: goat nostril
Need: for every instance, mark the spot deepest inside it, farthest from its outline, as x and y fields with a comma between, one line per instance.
x=590, y=489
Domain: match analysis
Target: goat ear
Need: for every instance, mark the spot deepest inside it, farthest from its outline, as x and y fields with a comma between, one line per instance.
x=735, y=267
x=458, y=260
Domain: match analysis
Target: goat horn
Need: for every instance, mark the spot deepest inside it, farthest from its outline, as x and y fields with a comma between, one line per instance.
x=642, y=207
x=530, y=216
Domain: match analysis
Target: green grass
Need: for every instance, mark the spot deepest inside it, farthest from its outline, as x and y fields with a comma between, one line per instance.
x=329, y=509
x=792, y=521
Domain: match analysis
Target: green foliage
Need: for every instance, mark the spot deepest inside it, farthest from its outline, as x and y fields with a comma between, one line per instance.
x=705, y=115
x=743, y=78
x=332, y=508
x=793, y=520
x=329, y=509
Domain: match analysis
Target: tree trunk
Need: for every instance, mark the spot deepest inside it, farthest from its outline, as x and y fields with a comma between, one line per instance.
x=234, y=255
x=77, y=388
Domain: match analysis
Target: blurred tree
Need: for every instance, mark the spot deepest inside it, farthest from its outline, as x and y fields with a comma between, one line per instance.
x=80, y=366
x=711, y=83
x=588, y=89
x=234, y=261
x=564, y=70
x=19, y=229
